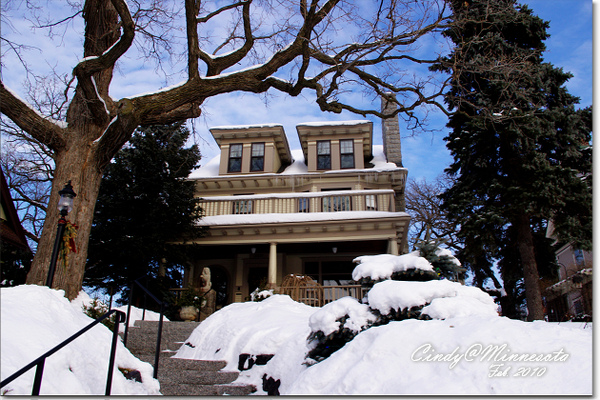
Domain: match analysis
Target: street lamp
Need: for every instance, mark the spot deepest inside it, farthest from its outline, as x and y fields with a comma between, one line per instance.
x=65, y=205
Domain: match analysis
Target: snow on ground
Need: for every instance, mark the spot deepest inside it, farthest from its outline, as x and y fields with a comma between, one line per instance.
x=459, y=355
x=400, y=358
x=34, y=319
x=475, y=354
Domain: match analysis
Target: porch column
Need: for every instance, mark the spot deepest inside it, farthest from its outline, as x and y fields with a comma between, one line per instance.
x=272, y=277
x=393, y=246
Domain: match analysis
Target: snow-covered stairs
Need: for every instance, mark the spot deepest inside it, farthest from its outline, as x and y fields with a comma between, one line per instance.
x=181, y=377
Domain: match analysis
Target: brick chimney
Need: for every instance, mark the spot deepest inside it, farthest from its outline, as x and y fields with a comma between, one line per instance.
x=390, y=132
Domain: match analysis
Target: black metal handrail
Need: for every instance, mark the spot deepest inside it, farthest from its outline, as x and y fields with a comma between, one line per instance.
x=160, y=321
x=40, y=361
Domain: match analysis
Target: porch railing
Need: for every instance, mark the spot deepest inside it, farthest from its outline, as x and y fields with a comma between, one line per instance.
x=341, y=200
x=318, y=296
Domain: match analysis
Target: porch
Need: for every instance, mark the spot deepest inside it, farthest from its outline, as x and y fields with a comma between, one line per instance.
x=315, y=296
x=305, y=202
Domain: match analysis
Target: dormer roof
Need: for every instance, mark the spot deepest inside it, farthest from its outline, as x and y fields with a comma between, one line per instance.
x=263, y=131
x=317, y=130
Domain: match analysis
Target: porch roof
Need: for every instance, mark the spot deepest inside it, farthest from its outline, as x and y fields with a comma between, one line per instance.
x=277, y=218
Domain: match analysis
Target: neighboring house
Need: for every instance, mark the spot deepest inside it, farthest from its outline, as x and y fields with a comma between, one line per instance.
x=571, y=296
x=15, y=252
x=272, y=211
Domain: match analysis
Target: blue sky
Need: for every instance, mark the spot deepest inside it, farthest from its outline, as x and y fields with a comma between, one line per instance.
x=425, y=155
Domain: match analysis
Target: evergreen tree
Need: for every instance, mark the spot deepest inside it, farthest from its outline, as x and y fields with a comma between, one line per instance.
x=145, y=204
x=521, y=149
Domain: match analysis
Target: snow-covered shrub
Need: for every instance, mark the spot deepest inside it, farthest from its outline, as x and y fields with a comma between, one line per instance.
x=260, y=295
x=401, y=287
x=398, y=300
x=443, y=261
x=95, y=309
x=382, y=267
x=335, y=324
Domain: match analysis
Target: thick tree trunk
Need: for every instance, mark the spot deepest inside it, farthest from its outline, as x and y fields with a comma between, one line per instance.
x=531, y=276
x=75, y=164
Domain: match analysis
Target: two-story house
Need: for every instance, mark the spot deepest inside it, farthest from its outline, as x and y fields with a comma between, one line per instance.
x=272, y=211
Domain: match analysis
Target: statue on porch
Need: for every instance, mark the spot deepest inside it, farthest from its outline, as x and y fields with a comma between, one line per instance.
x=209, y=295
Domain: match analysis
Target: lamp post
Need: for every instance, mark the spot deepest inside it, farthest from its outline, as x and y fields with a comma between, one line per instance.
x=65, y=205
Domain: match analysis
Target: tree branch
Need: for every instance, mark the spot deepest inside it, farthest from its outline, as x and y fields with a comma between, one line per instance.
x=42, y=129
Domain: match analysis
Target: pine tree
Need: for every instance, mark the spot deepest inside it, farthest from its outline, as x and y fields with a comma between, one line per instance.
x=143, y=205
x=521, y=149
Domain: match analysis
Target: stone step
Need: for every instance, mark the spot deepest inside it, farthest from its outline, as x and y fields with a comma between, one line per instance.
x=206, y=390
x=178, y=326
x=178, y=376
x=195, y=377
x=141, y=345
x=184, y=364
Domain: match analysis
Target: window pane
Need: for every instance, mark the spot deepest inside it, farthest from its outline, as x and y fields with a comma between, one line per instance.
x=324, y=147
x=242, y=207
x=371, y=202
x=323, y=162
x=258, y=149
x=235, y=150
x=303, y=205
x=347, y=161
x=257, y=164
x=347, y=146
x=235, y=165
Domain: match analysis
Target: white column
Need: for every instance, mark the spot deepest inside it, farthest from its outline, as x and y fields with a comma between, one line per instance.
x=272, y=278
x=393, y=246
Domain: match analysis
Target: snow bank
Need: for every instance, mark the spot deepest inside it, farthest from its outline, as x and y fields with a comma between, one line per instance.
x=455, y=356
x=34, y=319
x=277, y=325
x=458, y=356
x=382, y=266
x=326, y=319
x=448, y=299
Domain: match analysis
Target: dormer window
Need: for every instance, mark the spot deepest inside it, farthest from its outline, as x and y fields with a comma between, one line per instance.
x=346, y=153
x=257, y=161
x=324, y=154
x=235, y=158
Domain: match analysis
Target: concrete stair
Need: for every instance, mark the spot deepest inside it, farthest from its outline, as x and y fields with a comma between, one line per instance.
x=177, y=376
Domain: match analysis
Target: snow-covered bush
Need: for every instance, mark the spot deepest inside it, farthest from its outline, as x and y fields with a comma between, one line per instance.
x=401, y=287
x=260, y=295
x=411, y=266
x=398, y=300
x=335, y=324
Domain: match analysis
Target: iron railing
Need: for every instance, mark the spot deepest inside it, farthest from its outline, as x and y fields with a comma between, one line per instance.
x=160, y=321
x=40, y=361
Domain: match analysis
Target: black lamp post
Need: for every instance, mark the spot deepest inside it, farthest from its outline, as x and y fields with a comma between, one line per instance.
x=65, y=205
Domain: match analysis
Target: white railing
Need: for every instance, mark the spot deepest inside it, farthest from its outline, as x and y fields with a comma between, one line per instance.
x=342, y=200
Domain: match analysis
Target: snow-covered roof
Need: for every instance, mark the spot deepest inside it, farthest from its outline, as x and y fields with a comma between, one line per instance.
x=335, y=123
x=276, y=218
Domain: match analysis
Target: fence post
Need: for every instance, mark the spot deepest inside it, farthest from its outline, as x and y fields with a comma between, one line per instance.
x=119, y=317
x=37, y=381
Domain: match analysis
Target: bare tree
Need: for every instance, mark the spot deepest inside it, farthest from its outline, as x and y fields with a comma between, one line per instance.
x=327, y=48
x=428, y=220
